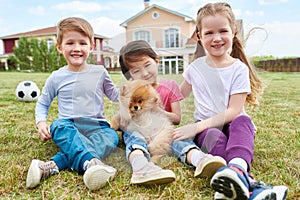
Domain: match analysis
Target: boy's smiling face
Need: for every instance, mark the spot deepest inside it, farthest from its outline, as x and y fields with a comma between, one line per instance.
x=75, y=48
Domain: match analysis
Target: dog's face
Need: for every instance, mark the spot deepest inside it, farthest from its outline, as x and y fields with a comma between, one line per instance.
x=139, y=95
x=143, y=97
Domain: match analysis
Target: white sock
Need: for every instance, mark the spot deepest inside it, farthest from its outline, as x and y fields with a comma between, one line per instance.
x=241, y=162
x=196, y=157
x=251, y=179
x=138, y=162
x=86, y=165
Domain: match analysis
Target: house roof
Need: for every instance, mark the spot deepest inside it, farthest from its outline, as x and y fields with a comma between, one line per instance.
x=187, y=18
x=193, y=39
x=40, y=32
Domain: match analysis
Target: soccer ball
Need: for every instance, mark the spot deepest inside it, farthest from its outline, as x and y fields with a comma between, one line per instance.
x=27, y=91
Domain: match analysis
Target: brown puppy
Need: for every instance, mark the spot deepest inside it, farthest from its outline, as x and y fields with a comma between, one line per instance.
x=141, y=111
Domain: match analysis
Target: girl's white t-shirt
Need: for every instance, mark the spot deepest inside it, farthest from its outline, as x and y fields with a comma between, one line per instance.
x=212, y=87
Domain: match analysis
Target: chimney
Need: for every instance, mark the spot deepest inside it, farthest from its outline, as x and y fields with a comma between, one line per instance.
x=146, y=3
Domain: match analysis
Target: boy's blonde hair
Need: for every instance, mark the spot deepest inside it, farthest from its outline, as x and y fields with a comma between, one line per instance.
x=75, y=24
x=224, y=9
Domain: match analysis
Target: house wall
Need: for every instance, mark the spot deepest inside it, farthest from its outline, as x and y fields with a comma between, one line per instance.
x=8, y=46
x=156, y=27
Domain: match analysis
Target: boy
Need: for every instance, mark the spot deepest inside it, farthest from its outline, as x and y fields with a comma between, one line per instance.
x=81, y=130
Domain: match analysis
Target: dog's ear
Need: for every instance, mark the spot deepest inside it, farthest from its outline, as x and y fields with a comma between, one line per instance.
x=156, y=99
x=154, y=85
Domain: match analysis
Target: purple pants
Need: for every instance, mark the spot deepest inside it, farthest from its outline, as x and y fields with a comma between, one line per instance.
x=235, y=139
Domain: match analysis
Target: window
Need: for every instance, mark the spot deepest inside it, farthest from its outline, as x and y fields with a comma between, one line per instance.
x=50, y=43
x=155, y=15
x=142, y=35
x=171, y=38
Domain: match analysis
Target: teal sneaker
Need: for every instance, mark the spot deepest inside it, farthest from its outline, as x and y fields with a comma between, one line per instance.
x=262, y=191
x=232, y=182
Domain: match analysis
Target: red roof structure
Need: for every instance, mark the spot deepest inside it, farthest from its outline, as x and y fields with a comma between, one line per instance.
x=41, y=32
x=48, y=34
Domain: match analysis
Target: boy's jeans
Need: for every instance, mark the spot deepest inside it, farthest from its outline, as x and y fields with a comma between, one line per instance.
x=81, y=139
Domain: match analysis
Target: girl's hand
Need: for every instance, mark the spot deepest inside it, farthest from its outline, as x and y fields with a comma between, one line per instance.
x=185, y=132
x=43, y=130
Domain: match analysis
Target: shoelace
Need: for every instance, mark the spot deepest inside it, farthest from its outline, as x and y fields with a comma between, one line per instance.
x=47, y=169
x=259, y=184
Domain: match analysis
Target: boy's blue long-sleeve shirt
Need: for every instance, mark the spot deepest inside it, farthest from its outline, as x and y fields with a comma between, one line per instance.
x=79, y=94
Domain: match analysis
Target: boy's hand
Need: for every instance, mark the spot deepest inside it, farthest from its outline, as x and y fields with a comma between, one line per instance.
x=43, y=130
x=185, y=132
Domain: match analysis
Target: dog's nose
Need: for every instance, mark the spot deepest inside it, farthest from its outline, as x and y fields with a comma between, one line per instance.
x=135, y=107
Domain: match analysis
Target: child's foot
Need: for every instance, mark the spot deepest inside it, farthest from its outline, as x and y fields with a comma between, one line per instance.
x=262, y=191
x=220, y=196
x=232, y=182
x=208, y=165
x=97, y=174
x=152, y=174
x=39, y=170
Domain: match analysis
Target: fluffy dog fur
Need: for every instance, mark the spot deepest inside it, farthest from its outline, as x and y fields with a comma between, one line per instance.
x=141, y=111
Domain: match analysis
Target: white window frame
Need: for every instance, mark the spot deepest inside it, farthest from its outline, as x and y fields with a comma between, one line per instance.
x=171, y=36
x=142, y=35
x=50, y=43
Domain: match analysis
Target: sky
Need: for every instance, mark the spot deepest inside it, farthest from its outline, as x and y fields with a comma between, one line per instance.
x=278, y=20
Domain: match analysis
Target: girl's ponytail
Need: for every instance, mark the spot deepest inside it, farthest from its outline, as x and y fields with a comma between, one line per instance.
x=199, y=52
x=255, y=82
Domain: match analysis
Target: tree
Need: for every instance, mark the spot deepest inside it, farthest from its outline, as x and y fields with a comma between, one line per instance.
x=22, y=54
x=34, y=54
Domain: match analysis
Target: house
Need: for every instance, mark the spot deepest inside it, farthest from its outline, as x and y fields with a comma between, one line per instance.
x=171, y=34
x=49, y=35
x=167, y=31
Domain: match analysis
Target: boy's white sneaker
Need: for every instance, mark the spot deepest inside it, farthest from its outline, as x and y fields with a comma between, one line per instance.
x=98, y=174
x=39, y=170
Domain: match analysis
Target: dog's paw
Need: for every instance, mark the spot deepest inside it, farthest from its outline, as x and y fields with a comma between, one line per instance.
x=115, y=122
x=114, y=126
x=155, y=158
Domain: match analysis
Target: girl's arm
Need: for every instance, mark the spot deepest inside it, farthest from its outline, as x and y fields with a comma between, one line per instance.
x=175, y=115
x=185, y=88
x=235, y=107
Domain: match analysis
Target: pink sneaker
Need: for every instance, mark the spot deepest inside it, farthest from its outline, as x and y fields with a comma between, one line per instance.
x=208, y=165
x=152, y=174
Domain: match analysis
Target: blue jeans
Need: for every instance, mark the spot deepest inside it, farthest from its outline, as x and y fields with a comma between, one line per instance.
x=81, y=139
x=136, y=141
x=181, y=148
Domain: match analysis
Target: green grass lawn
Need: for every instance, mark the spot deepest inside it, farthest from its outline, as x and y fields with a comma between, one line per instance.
x=276, y=161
